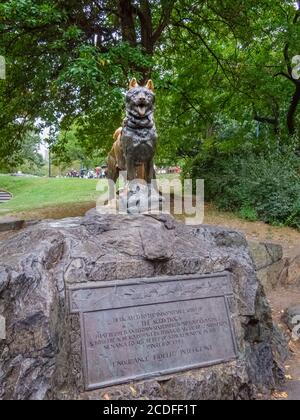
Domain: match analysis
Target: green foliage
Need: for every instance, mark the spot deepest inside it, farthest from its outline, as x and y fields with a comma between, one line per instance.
x=248, y=213
x=228, y=65
x=70, y=153
x=58, y=72
x=257, y=187
x=215, y=61
x=26, y=158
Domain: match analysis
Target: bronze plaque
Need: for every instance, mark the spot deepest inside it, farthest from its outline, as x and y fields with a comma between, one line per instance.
x=138, y=329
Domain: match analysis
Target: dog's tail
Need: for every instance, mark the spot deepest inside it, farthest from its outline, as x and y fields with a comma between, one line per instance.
x=117, y=133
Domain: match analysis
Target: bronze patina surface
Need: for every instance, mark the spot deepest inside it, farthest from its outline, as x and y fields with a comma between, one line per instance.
x=138, y=329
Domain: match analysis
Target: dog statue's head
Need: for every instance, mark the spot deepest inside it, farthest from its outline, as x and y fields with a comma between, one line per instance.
x=140, y=100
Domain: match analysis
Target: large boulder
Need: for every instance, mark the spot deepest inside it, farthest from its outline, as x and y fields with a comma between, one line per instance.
x=40, y=357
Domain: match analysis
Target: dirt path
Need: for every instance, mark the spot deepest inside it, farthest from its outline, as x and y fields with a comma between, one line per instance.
x=279, y=300
x=256, y=231
x=60, y=211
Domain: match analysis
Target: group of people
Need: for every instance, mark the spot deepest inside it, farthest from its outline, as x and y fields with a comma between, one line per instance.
x=101, y=173
x=98, y=173
x=73, y=174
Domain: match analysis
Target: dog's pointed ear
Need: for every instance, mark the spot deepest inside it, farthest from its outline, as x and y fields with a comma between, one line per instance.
x=133, y=84
x=150, y=85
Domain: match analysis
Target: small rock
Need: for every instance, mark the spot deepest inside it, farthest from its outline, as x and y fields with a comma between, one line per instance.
x=293, y=272
x=265, y=254
x=292, y=318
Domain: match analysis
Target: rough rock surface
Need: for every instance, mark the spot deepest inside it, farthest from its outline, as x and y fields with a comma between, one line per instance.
x=274, y=276
x=41, y=356
x=292, y=272
x=265, y=254
x=292, y=317
x=272, y=269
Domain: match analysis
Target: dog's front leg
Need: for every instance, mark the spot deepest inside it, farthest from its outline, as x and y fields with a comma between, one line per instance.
x=150, y=172
x=130, y=169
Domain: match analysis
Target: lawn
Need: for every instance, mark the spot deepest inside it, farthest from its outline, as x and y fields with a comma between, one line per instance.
x=36, y=193
x=62, y=197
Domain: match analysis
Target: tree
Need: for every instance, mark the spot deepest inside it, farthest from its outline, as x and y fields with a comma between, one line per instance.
x=27, y=159
x=69, y=149
x=292, y=38
x=70, y=59
x=223, y=74
x=213, y=62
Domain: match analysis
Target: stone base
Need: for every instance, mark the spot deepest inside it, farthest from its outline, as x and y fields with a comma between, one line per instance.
x=40, y=357
x=139, y=198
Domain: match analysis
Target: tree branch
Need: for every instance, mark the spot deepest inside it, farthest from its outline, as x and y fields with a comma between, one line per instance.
x=182, y=25
x=287, y=59
x=287, y=76
x=292, y=111
x=167, y=9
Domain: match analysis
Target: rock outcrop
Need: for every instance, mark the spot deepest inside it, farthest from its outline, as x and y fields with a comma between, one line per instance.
x=271, y=266
x=40, y=358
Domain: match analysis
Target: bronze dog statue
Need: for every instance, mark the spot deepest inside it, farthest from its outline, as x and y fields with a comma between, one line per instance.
x=135, y=143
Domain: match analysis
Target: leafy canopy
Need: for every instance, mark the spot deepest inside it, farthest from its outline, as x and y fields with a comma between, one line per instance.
x=222, y=70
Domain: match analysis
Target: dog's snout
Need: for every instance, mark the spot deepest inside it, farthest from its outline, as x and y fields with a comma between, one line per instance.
x=142, y=98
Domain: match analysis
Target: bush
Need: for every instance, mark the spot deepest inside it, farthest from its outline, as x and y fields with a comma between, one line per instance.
x=248, y=213
x=257, y=187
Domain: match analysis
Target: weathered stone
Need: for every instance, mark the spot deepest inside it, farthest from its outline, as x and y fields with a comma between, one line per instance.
x=274, y=275
x=41, y=356
x=265, y=254
x=293, y=272
x=10, y=223
x=291, y=316
x=140, y=198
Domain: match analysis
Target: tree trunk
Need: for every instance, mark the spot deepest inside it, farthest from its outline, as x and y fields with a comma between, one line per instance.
x=126, y=13
x=145, y=17
x=292, y=111
x=146, y=27
x=149, y=35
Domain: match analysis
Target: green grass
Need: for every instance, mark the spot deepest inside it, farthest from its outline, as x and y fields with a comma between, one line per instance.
x=37, y=193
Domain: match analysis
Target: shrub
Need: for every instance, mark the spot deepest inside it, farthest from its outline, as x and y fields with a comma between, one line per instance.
x=248, y=213
x=265, y=187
